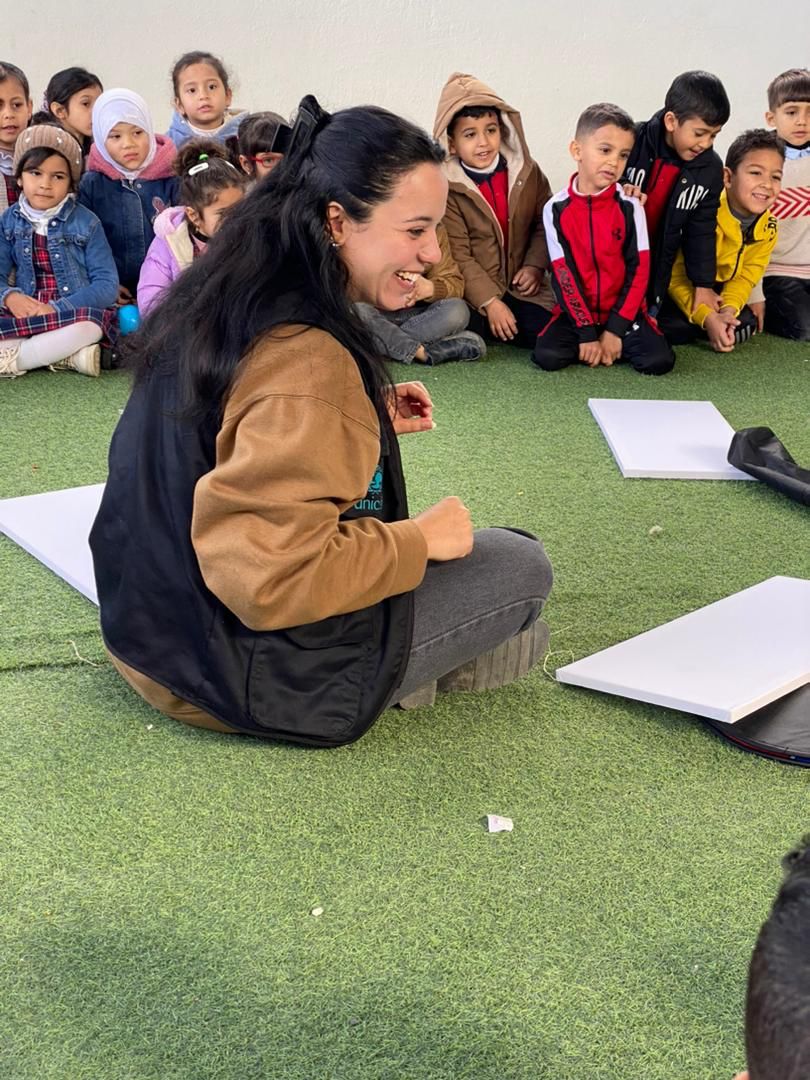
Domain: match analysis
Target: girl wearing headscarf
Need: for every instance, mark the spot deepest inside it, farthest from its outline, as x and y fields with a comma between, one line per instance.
x=129, y=180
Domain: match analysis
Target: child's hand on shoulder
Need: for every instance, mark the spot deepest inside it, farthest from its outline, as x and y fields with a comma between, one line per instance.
x=590, y=353
x=502, y=323
x=720, y=331
x=611, y=347
x=528, y=280
x=633, y=191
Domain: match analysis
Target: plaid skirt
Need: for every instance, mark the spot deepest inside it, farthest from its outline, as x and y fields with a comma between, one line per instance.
x=46, y=290
x=12, y=191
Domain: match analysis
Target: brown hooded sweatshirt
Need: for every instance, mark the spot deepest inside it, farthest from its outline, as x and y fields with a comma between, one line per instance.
x=476, y=238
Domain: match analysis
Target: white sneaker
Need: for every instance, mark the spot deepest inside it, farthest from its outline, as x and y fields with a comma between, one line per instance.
x=8, y=362
x=86, y=361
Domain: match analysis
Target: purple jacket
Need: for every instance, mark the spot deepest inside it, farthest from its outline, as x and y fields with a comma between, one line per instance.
x=169, y=254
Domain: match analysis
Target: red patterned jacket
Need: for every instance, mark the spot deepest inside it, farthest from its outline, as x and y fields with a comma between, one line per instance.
x=600, y=258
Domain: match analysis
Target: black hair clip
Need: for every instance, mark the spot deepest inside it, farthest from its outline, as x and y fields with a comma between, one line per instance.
x=310, y=119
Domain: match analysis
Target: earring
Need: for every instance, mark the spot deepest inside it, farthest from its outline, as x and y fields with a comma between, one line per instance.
x=334, y=244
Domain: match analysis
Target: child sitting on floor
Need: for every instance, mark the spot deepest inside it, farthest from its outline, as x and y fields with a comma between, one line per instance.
x=56, y=311
x=253, y=143
x=600, y=259
x=15, y=115
x=782, y=300
x=129, y=180
x=745, y=237
x=69, y=99
x=209, y=185
x=673, y=164
x=429, y=328
x=494, y=216
x=202, y=98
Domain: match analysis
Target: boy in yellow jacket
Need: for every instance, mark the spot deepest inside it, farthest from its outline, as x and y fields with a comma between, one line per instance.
x=745, y=238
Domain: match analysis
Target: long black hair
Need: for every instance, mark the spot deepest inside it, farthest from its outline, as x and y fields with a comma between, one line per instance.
x=272, y=261
x=60, y=89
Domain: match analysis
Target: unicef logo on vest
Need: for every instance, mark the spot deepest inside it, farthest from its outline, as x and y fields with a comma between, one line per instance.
x=373, y=499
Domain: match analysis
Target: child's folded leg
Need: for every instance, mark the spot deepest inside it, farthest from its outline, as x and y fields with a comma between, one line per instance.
x=787, y=307
x=675, y=326
x=747, y=327
x=646, y=348
x=430, y=322
x=557, y=344
x=531, y=320
x=390, y=339
x=42, y=350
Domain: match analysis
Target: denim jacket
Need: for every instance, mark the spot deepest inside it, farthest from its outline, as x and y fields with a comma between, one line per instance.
x=81, y=259
x=127, y=209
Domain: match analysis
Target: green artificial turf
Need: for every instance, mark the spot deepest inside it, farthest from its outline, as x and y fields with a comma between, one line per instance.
x=158, y=882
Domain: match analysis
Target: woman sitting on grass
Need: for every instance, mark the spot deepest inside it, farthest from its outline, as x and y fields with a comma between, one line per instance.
x=256, y=565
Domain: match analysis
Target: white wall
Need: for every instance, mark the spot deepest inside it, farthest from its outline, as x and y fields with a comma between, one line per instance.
x=548, y=60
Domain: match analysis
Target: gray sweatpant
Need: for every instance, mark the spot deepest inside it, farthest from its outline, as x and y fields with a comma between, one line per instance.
x=467, y=607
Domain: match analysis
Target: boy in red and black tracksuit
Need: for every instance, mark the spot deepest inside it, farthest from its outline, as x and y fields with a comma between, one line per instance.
x=597, y=242
x=673, y=164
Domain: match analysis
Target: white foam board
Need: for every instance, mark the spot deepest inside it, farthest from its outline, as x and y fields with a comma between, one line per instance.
x=54, y=528
x=671, y=440
x=723, y=661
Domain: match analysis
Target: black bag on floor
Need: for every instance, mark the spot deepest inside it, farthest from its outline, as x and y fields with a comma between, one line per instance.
x=758, y=452
x=780, y=731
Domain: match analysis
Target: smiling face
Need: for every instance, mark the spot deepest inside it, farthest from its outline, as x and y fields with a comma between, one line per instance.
x=476, y=140
x=396, y=243
x=15, y=112
x=45, y=185
x=792, y=122
x=77, y=116
x=601, y=156
x=202, y=97
x=209, y=219
x=753, y=186
x=690, y=137
x=128, y=146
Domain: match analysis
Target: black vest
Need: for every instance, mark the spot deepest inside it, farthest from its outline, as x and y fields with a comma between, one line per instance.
x=324, y=683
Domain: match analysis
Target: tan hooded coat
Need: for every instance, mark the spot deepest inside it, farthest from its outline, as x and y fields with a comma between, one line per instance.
x=476, y=238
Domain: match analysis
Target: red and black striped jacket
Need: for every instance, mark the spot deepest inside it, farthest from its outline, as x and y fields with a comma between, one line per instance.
x=600, y=258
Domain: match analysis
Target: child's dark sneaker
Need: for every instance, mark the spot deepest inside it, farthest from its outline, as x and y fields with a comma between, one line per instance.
x=463, y=346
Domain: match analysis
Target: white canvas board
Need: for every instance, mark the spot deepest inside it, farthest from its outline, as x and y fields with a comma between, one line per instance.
x=722, y=661
x=670, y=440
x=54, y=528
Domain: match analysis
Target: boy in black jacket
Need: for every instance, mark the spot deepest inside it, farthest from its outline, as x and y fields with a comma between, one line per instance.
x=673, y=164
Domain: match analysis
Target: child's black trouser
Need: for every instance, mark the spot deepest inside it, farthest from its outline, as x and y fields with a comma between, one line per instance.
x=679, y=331
x=530, y=319
x=644, y=346
x=787, y=307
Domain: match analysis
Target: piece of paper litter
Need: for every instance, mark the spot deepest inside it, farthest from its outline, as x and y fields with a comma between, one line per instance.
x=496, y=823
